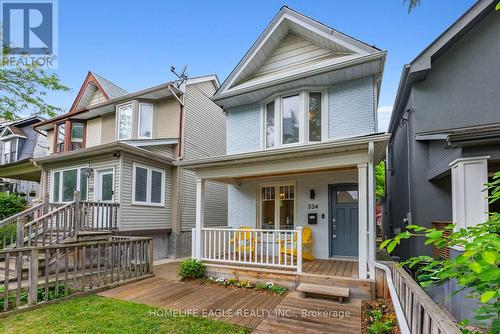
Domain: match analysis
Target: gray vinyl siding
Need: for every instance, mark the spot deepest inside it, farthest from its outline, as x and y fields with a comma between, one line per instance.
x=244, y=129
x=96, y=163
x=163, y=150
x=143, y=217
x=204, y=136
x=351, y=108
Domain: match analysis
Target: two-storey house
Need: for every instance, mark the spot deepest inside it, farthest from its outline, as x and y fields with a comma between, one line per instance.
x=18, y=144
x=302, y=143
x=118, y=149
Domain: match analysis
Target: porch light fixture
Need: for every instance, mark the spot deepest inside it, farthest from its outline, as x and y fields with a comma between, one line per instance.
x=312, y=194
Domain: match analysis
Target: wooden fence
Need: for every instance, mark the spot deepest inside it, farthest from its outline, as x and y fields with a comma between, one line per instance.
x=422, y=314
x=31, y=275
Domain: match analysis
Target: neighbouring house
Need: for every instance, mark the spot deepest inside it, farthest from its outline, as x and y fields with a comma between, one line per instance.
x=19, y=143
x=445, y=136
x=302, y=143
x=119, y=149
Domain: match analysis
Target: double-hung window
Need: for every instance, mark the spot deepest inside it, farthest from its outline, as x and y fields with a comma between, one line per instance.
x=277, y=206
x=295, y=118
x=60, y=137
x=65, y=182
x=145, y=128
x=9, y=151
x=148, y=185
x=125, y=113
x=77, y=133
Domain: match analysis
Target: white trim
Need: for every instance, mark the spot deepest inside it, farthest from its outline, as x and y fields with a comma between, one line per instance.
x=276, y=186
x=118, y=110
x=98, y=184
x=139, y=119
x=60, y=190
x=148, y=185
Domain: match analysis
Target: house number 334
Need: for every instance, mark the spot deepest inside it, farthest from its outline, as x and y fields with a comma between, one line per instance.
x=312, y=206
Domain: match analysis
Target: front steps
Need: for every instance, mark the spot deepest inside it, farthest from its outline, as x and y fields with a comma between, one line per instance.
x=313, y=290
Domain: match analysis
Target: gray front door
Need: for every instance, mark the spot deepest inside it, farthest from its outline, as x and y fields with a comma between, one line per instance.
x=343, y=220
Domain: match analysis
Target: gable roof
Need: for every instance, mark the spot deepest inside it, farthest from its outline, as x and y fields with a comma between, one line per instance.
x=419, y=67
x=95, y=83
x=324, y=43
x=14, y=131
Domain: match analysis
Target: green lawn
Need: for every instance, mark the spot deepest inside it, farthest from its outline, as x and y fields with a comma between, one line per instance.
x=94, y=314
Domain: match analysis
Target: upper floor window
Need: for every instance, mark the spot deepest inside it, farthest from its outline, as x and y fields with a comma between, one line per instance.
x=294, y=119
x=145, y=121
x=60, y=137
x=125, y=121
x=77, y=134
x=9, y=151
x=69, y=136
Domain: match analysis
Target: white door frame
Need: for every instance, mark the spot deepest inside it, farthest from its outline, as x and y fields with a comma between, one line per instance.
x=98, y=184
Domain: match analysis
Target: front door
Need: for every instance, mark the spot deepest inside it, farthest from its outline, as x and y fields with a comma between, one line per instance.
x=343, y=220
x=103, y=193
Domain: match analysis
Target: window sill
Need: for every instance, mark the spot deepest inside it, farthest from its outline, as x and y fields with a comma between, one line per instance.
x=156, y=205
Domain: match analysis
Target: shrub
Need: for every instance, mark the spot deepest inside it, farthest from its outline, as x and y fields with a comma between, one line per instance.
x=380, y=327
x=191, y=268
x=10, y=204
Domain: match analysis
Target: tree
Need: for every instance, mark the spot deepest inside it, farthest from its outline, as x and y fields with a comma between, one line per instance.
x=412, y=4
x=380, y=180
x=23, y=89
x=476, y=270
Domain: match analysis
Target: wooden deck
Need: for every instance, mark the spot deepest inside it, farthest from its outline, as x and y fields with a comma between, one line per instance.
x=340, y=268
x=264, y=312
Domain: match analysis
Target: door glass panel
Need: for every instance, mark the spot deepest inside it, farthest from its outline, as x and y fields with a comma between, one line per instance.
x=314, y=116
x=55, y=187
x=287, y=199
x=69, y=185
x=290, y=119
x=347, y=196
x=268, y=204
x=106, y=187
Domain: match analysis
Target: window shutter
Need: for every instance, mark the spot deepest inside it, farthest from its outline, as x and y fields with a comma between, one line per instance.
x=156, y=184
x=141, y=184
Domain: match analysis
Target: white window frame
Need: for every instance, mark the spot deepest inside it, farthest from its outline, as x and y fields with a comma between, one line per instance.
x=276, y=186
x=97, y=184
x=303, y=117
x=118, y=111
x=78, y=176
x=139, y=119
x=148, y=185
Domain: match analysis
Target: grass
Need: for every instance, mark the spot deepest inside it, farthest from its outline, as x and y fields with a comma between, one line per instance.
x=94, y=314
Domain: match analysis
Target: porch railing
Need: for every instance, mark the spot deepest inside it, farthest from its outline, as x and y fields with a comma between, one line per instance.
x=31, y=275
x=255, y=247
x=8, y=225
x=422, y=314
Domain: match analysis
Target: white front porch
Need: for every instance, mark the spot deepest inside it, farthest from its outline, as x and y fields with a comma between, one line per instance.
x=302, y=183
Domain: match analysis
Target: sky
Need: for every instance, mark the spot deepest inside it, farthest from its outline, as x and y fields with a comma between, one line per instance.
x=134, y=43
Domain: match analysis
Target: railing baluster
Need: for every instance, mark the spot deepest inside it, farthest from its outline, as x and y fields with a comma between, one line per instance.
x=66, y=268
x=56, y=292
x=6, y=282
x=19, y=276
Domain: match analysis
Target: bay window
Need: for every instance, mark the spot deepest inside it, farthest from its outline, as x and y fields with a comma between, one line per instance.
x=148, y=185
x=295, y=119
x=66, y=182
x=145, y=128
x=77, y=133
x=125, y=121
x=277, y=206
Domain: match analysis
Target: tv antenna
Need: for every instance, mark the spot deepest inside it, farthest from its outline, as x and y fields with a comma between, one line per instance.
x=183, y=76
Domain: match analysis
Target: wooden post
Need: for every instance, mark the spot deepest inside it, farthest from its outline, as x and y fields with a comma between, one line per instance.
x=363, y=219
x=150, y=256
x=299, y=249
x=200, y=207
x=33, y=278
x=76, y=218
x=21, y=221
x=45, y=204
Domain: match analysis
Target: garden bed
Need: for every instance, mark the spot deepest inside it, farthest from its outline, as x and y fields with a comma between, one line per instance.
x=378, y=317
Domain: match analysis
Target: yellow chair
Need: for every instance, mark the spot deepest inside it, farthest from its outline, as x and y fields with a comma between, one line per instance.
x=307, y=242
x=244, y=241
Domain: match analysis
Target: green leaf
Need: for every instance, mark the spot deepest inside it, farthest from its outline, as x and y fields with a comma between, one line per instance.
x=449, y=227
x=469, y=253
x=489, y=257
x=485, y=297
x=385, y=243
x=434, y=234
x=391, y=246
x=497, y=7
x=476, y=267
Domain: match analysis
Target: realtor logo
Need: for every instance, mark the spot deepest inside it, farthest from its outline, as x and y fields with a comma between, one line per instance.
x=29, y=32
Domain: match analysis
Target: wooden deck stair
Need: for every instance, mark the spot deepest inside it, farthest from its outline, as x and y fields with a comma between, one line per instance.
x=313, y=290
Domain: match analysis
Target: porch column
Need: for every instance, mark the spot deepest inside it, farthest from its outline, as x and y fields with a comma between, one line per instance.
x=469, y=200
x=362, y=220
x=200, y=205
x=372, y=230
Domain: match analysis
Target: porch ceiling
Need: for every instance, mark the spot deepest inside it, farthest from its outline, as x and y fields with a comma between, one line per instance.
x=316, y=158
x=21, y=170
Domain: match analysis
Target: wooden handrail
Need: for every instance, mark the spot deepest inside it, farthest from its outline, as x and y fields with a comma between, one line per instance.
x=27, y=212
x=48, y=214
x=422, y=314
